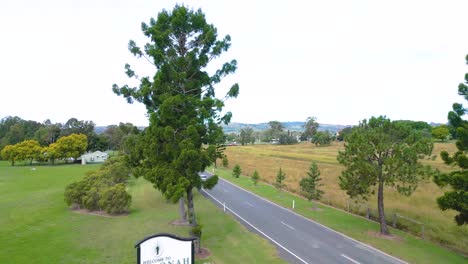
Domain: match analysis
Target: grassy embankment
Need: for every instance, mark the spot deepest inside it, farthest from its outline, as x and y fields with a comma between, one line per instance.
x=405, y=246
x=296, y=159
x=37, y=227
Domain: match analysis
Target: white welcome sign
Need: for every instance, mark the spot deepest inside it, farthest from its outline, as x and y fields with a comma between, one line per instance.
x=165, y=249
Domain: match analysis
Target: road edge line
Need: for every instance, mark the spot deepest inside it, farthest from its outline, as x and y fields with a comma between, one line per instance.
x=258, y=230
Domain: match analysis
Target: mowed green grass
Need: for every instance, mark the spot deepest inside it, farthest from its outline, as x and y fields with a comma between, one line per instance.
x=405, y=246
x=295, y=161
x=37, y=227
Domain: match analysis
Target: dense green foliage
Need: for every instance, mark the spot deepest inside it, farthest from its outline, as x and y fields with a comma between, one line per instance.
x=14, y=130
x=287, y=138
x=457, y=198
x=322, y=138
x=71, y=146
x=310, y=128
x=185, y=114
x=381, y=152
x=310, y=184
x=246, y=136
x=341, y=136
x=102, y=189
x=236, y=171
x=441, y=132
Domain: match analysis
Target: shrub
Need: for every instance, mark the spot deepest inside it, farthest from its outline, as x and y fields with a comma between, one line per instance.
x=102, y=189
x=91, y=199
x=225, y=161
x=236, y=171
x=255, y=177
x=115, y=199
x=74, y=193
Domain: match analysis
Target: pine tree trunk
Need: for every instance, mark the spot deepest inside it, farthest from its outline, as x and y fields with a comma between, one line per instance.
x=380, y=206
x=183, y=215
x=191, y=208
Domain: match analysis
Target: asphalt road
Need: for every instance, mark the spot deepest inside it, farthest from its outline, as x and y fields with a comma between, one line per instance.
x=299, y=240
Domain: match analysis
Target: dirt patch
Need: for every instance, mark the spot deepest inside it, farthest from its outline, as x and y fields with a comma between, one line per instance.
x=316, y=209
x=98, y=213
x=179, y=222
x=202, y=254
x=388, y=237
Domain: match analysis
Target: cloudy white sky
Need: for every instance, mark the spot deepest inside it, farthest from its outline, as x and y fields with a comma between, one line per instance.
x=338, y=60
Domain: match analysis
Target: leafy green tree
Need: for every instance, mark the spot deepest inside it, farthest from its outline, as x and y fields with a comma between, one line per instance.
x=10, y=153
x=51, y=153
x=310, y=184
x=322, y=138
x=246, y=136
x=441, y=132
x=275, y=130
x=287, y=138
x=48, y=133
x=28, y=150
x=380, y=152
x=255, y=177
x=71, y=146
x=185, y=115
x=457, y=198
x=280, y=177
x=343, y=133
x=310, y=128
x=236, y=171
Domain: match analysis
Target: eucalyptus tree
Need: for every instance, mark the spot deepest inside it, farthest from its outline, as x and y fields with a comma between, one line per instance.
x=184, y=112
x=381, y=153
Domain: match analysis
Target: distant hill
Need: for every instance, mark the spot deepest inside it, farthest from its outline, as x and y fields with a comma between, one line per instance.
x=292, y=126
x=236, y=127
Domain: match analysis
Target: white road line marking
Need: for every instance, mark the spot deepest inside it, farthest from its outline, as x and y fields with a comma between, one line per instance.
x=258, y=230
x=288, y=225
x=350, y=259
x=249, y=204
x=317, y=223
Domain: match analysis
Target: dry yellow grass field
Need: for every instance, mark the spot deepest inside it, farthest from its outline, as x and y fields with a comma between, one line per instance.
x=296, y=159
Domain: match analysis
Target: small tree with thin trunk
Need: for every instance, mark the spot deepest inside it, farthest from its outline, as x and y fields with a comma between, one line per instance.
x=236, y=171
x=255, y=177
x=380, y=152
x=310, y=184
x=225, y=161
x=280, y=177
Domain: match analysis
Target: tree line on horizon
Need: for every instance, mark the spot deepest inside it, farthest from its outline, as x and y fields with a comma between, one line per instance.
x=14, y=130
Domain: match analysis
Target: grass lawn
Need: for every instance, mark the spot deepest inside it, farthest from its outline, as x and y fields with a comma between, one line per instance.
x=37, y=227
x=408, y=248
x=295, y=161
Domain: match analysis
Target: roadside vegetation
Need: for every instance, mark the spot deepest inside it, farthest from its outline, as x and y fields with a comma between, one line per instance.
x=295, y=160
x=36, y=226
x=404, y=245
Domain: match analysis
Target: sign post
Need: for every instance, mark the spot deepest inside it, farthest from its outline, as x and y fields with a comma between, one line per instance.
x=165, y=249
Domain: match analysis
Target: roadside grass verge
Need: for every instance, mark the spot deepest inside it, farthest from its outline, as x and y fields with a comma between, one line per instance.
x=36, y=226
x=408, y=248
x=295, y=161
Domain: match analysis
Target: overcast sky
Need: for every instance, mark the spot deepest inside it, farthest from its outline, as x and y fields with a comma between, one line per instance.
x=338, y=60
